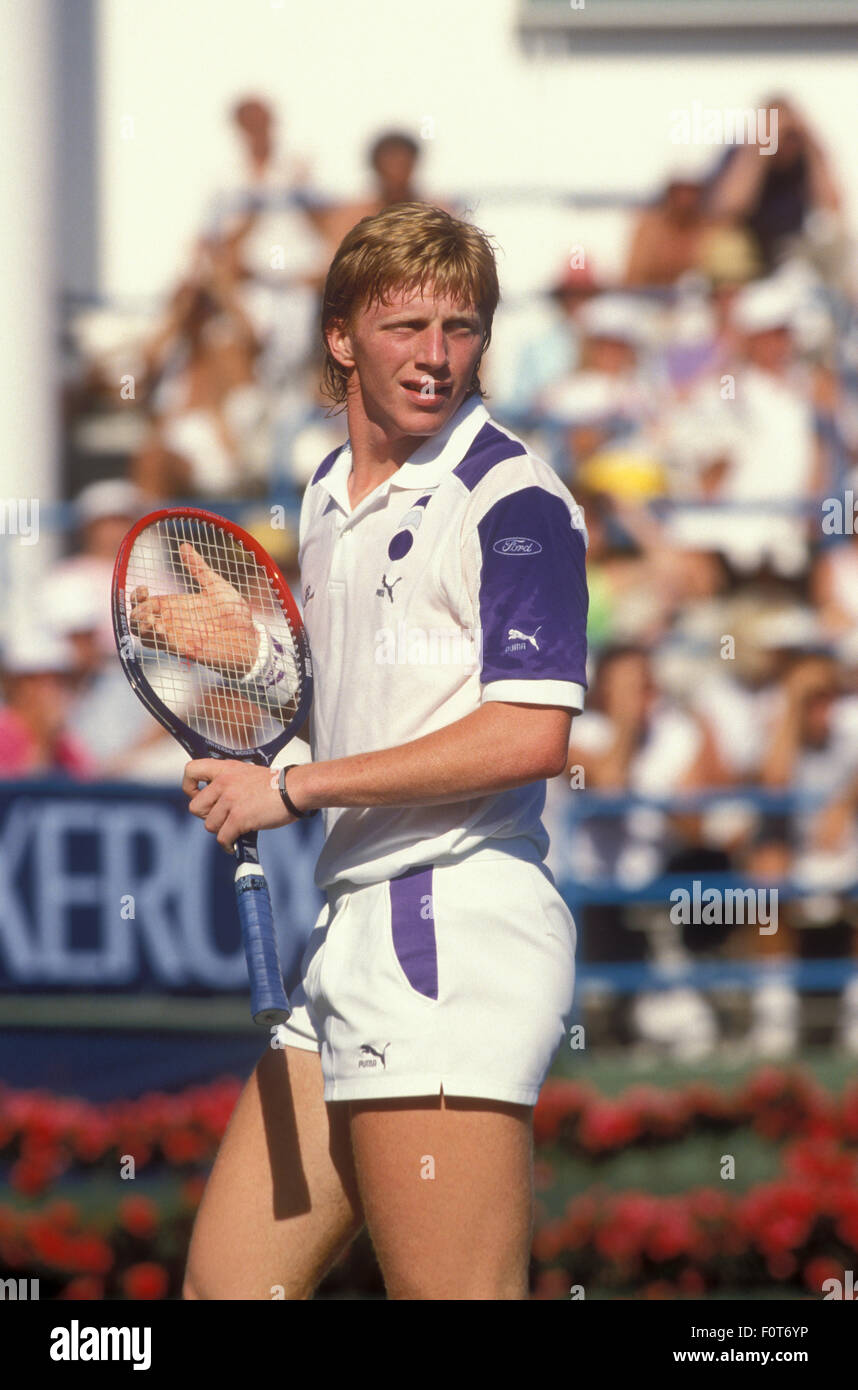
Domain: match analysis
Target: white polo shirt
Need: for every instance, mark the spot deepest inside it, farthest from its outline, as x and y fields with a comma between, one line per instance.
x=457, y=580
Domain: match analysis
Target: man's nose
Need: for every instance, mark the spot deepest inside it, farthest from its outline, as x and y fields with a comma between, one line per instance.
x=432, y=348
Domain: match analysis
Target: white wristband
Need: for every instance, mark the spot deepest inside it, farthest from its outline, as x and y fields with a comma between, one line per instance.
x=263, y=653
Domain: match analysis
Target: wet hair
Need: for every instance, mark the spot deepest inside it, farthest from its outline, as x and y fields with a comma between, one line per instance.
x=406, y=247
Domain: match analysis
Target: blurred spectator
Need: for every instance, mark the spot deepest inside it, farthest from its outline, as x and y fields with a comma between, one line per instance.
x=76, y=591
x=393, y=158
x=812, y=750
x=209, y=414
x=556, y=352
x=774, y=194
x=835, y=590
x=756, y=442
x=265, y=203
x=639, y=584
x=102, y=715
x=634, y=739
x=37, y=681
x=267, y=229
x=610, y=397
x=668, y=238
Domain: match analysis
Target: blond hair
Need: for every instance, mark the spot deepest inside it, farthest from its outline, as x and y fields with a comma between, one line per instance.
x=407, y=246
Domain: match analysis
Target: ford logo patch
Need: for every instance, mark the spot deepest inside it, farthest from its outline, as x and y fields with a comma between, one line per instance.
x=517, y=545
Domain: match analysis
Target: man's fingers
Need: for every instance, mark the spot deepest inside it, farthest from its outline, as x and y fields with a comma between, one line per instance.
x=217, y=818
x=227, y=835
x=144, y=610
x=199, y=770
x=201, y=804
x=197, y=567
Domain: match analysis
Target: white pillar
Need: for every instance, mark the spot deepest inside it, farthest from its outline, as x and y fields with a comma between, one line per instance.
x=29, y=385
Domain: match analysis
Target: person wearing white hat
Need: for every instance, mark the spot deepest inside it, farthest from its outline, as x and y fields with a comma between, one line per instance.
x=37, y=668
x=74, y=601
x=76, y=592
x=610, y=396
x=776, y=455
x=755, y=438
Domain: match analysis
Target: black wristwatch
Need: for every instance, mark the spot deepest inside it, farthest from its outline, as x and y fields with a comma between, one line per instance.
x=287, y=800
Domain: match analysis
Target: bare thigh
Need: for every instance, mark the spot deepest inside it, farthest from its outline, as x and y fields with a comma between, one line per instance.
x=281, y=1203
x=447, y=1192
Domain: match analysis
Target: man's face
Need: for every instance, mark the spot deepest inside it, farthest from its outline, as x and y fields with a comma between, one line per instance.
x=44, y=698
x=394, y=165
x=683, y=202
x=414, y=358
x=610, y=355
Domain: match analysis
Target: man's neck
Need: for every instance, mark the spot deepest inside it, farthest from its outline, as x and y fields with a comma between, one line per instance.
x=375, y=455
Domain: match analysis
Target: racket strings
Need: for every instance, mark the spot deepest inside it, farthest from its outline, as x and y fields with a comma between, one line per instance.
x=216, y=644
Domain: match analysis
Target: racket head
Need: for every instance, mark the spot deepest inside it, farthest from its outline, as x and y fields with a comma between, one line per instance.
x=209, y=711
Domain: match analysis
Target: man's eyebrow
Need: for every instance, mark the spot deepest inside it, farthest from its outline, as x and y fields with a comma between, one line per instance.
x=417, y=315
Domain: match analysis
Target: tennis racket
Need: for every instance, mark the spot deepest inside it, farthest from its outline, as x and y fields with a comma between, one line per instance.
x=213, y=644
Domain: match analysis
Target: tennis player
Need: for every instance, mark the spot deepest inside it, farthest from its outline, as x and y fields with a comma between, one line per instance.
x=444, y=593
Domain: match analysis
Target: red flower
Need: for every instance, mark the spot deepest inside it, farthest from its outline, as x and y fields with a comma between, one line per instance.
x=549, y=1241
x=582, y=1215
x=53, y=1246
x=559, y=1104
x=90, y=1254
x=708, y=1204
x=31, y=1175
x=821, y=1161
x=673, y=1233
x=608, y=1125
x=145, y=1281
x=62, y=1214
x=184, y=1146
x=781, y=1266
x=628, y=1221
x=817, y=1270
x=91, y=1137
x=84, y=1287
x=139, y=1216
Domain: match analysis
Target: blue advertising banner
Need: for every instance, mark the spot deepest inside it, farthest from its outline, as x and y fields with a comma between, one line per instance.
x=116, y=888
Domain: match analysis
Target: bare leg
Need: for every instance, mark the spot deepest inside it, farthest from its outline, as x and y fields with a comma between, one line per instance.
x=281, y=1203
x=446, y=1186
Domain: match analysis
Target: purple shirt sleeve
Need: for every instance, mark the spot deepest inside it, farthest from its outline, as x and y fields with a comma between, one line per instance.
x=533, y=591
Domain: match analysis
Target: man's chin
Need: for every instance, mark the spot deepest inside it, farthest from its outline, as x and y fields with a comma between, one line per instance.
x=428, y=414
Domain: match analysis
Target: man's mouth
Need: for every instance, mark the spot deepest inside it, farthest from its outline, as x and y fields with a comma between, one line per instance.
x=425, y=390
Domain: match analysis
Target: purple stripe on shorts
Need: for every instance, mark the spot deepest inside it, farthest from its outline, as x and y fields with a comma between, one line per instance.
x=412, y=916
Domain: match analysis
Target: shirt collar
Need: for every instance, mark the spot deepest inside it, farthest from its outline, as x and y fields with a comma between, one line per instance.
x=434, y=458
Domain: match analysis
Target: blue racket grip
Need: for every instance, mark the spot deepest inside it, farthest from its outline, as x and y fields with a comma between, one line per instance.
x=268, y=1002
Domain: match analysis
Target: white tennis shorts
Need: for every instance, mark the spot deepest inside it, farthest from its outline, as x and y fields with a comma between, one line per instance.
x=458, y=975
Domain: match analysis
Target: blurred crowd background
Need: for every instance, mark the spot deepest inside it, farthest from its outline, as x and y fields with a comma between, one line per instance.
x=702, y=405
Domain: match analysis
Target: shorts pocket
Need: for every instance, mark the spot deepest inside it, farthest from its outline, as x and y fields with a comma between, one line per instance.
x=412, y=929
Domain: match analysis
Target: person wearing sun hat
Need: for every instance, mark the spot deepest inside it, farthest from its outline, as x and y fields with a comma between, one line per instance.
x=37, y=670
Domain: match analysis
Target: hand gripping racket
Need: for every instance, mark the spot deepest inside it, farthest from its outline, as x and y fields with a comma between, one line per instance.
x=212, y=642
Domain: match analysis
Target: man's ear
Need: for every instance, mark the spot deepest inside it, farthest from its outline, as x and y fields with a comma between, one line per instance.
x=340, y=343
